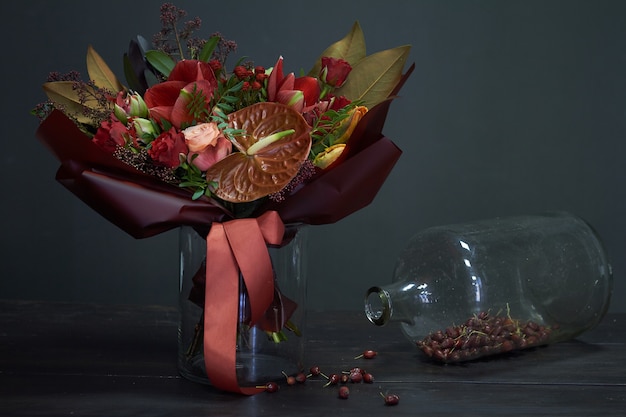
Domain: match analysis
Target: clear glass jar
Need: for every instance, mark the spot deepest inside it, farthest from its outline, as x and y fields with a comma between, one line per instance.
x=470, y=290
x=262, y=354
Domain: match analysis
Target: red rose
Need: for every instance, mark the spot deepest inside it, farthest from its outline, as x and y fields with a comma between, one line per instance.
x=166, y=149
x=334, y=71
x=339, y=102
x=111, y=134
x=169, y=100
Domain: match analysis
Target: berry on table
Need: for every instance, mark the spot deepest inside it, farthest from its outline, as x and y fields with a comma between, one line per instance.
x=390, y=399
x=291, y=380
x=367, y=354
x=270, y=387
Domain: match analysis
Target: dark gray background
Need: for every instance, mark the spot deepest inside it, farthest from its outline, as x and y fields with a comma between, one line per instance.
x=514, y=107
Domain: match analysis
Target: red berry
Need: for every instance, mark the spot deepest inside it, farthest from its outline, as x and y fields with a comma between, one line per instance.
x=356, y=377
x=271, y=387
x=368, y=354
x=368, y=378
x=391, y=399
x=344, y=392
x=300, y=377
x=333, y=379
x=291, y=380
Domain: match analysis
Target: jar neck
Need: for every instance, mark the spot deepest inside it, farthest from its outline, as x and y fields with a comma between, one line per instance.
x=385, y=304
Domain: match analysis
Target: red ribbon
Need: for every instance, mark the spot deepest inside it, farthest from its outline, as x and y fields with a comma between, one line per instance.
x=234, y=247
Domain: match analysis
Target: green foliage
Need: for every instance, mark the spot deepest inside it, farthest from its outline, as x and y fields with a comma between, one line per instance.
x=192, y=178
x=325, y=129
x=208, y=48
x=161, y=61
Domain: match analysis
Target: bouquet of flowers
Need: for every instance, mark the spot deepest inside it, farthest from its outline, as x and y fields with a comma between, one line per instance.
x=203, y=143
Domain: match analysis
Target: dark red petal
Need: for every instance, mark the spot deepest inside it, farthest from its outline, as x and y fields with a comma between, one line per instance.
x=163, y=94
x=310, y=87
x=275, y=79
x=192, y=70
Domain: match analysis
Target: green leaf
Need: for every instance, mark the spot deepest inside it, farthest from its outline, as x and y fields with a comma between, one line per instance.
x=161, y=61
x=208, y=48
x=236, y=88
x=230, y=99
x=151, y=78
x=100, y=73
x=218, y=112
x=196, y=195
x=373, y=79
x=129, y=73
x=351, y=48
x=225, y=107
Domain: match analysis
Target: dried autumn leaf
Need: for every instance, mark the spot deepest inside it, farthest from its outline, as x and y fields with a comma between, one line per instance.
x=100, y=73
x=245, y=176
x=374, y=78
x=65, y=95
x=351, y=48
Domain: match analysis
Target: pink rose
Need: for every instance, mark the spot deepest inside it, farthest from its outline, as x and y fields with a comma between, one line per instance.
x=208, y=143
x=166, y=149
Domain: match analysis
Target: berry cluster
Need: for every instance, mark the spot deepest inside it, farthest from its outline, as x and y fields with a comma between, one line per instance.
x=353, y=376
x=483, y=335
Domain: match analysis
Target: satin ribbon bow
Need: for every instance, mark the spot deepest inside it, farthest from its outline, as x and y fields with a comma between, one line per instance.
x=234, y=247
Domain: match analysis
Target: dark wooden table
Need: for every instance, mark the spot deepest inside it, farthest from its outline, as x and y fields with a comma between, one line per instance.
x=97, y=360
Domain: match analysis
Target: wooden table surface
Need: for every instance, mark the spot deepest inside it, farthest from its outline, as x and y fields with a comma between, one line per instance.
x=61, y=359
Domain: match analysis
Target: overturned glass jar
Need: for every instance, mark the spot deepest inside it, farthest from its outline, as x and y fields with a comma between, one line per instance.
x=466, y=291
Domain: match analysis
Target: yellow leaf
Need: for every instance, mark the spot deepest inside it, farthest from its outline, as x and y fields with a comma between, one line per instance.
x=100, y=73
x=351, y=48
x=374, y=77
x=63, y=94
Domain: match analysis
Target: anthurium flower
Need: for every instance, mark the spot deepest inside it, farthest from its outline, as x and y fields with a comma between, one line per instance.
x=276, y=140
x=170, y=100
x=207, y=145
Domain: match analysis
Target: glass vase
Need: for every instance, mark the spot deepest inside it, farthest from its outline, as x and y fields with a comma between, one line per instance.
x=262, y=355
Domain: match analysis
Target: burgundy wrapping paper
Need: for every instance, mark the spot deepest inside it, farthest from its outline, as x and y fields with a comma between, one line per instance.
x=144, y=206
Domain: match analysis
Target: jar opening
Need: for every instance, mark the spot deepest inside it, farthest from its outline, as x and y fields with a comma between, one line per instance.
x=377, y=306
